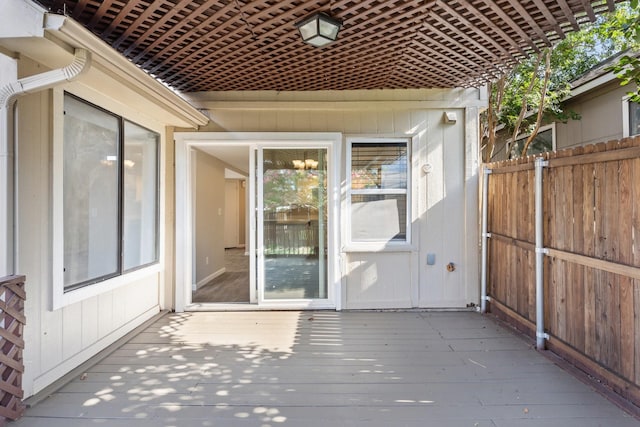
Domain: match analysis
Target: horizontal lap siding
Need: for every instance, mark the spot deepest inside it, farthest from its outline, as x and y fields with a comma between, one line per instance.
x=591, y=209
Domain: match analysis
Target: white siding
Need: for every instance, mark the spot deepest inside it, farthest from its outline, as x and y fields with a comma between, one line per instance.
x=59, y=340
x=378, y=280
x=444, y=202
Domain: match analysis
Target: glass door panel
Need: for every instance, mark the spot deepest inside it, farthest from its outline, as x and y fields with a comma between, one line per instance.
x=294, y=223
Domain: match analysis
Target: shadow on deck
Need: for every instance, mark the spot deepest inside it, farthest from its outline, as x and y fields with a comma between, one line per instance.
x=326, y=368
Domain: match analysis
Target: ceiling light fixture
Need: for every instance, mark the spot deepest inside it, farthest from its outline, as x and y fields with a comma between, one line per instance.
x=319, y=29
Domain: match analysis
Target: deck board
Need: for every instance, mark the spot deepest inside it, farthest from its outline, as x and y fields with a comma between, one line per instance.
x=322, y=368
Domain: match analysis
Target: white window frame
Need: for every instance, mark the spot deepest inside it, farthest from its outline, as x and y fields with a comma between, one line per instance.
x=626, y=123
x=59, y=297
x=377, y=246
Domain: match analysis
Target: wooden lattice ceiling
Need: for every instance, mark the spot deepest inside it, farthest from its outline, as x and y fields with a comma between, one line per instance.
x=219, y=45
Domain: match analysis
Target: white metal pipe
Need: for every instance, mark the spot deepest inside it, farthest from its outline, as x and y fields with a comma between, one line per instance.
x=540, y=163
x=485, y=240
x=8, y=94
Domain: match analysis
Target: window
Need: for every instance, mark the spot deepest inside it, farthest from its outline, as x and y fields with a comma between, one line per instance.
x=378, y=190
x=543, y=141
x=632, y=122
x=110, y=195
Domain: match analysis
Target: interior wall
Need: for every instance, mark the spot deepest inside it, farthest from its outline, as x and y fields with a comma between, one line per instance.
x=209, y=205
x=231, y=214
x=235, y=205
x=59, y=340
x=242, y=212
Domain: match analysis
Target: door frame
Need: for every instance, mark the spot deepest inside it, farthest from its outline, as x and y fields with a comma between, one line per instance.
x=185, y=143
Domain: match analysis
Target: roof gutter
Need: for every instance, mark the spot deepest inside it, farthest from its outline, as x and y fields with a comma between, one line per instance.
x=112, y=63
x=8, y=94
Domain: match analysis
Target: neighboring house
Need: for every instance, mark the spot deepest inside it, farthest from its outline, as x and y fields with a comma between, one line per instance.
x=108, y=232
x=604, y=109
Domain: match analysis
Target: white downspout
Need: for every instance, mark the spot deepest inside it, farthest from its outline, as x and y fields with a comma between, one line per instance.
x=485, y=240
x=540, y=163
x=8, y=94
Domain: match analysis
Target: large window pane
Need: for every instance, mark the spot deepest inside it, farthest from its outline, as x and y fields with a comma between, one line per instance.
x=376, y=218
x=140, y=196
x=634, y=118
x=541, y=143
x=90, y=188
x=295, y=223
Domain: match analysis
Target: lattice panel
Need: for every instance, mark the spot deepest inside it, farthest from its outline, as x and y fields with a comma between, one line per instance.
x=217, y=45
x=12, y=320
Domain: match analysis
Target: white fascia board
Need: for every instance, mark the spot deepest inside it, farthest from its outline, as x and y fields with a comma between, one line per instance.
x=591, y=84
x=110, y=62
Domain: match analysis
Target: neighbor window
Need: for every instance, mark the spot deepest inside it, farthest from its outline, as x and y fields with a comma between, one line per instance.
x=542, y=142
x=110, y=194
x=634, y=118
x=378, y=190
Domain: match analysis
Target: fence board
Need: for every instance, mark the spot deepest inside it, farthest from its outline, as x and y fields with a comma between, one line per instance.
x=559, y=306
x=575, y=307
x=532, y=286
x=565, y=196
x=598, y=210
x=636, y=328
x=588, y=213
x=548, y=192
x=624, y=238
x=627, y=339
x=635, y=224
x=577, y=241
x=612, y=339
x=590, y=339
x=609, y=220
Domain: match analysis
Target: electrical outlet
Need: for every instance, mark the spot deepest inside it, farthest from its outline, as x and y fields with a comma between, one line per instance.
x=206, y=260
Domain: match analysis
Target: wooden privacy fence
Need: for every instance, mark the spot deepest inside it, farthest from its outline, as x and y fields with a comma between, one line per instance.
x=12, y=320
x=290, y=238
x=591, y=229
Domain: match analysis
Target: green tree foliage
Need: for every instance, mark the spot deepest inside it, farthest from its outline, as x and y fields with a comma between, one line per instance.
x=520, y=94
x=628, y=67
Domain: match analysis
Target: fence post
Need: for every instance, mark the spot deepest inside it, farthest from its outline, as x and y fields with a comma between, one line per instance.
x=540, y=163
x=485, y=236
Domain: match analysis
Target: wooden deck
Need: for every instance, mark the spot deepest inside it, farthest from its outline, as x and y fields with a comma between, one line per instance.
x=326, y=369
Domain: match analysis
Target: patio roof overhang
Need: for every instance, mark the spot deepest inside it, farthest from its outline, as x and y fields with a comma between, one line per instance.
x=220, y=45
